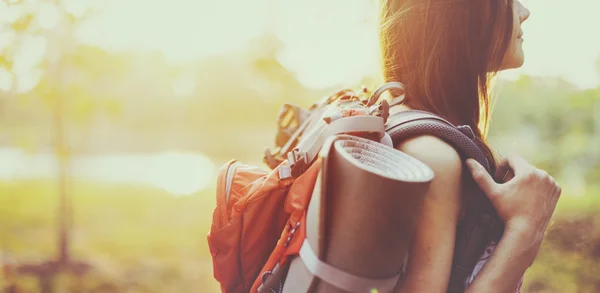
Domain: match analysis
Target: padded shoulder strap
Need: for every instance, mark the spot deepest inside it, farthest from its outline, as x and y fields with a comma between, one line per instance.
x=403, y=125
x=480, y=224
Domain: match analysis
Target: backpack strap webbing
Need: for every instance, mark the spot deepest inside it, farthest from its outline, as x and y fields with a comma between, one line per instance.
x=480, y=224
x=403, y=125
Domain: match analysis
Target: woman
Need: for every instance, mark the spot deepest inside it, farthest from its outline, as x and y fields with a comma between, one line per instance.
x=445, y=53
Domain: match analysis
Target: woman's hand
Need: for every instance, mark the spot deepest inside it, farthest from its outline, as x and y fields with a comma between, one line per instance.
x=526, y=201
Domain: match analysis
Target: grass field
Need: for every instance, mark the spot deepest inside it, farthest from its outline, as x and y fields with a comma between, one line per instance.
x=141, y=239
x=137, y=239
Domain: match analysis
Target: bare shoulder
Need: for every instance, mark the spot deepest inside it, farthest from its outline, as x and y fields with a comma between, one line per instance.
x=441, y=157
x=430, y=264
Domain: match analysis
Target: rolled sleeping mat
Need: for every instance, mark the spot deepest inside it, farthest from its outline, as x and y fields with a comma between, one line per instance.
x=360, y=218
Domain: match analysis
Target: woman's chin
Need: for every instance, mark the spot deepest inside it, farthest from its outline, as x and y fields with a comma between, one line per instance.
x=516, y=62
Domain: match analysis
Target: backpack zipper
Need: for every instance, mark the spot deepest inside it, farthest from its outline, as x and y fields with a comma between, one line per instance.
x=228, y=179
x=225, y=180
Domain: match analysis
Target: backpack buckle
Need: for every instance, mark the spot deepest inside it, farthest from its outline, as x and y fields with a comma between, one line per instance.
x=381, y=110
x=298, y=162
x=270, y=159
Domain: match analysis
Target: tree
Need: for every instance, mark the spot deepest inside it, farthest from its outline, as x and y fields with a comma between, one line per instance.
x=65, y=88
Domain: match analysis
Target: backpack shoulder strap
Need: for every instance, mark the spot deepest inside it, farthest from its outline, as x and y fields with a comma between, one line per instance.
x=480, y=224
x=403, y=125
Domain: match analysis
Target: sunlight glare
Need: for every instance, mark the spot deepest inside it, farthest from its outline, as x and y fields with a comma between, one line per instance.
x=27, y=74
x=8, y=13
x=31, y=53
x=6, y=80
x=6, y=39
x=48, y=15
x=179, y=173
x=328, y=42
x=183, y=30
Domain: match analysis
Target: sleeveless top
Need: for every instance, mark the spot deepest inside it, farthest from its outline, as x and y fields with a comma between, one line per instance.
x=479, y=266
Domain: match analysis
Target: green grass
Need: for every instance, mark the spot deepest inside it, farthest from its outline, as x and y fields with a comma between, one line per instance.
x=137, y=239
x=141, y=239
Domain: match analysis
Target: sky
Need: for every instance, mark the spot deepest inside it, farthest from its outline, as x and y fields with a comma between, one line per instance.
x=328, y=42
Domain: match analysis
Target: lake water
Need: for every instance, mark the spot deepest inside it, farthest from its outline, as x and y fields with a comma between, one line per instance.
x=177, y=172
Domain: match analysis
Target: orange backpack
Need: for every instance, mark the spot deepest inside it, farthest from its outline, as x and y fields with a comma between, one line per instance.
x=257, y=221
x=253, y=222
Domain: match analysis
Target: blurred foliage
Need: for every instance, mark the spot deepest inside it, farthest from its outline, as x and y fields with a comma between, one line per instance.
x=141, y=239
x=570, y=256
x=554, y=125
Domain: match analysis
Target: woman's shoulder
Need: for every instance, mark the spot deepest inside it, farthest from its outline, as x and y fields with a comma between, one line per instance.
x=440, y=156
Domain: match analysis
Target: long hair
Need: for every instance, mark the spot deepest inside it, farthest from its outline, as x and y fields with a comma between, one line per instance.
x=446, y=52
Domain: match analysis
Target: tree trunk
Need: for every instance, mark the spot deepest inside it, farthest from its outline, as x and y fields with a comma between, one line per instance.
x=64, y=208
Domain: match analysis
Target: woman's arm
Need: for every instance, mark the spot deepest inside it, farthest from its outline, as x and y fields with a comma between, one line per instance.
x=525, y=203
x=432, y=248
x=513, y=255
